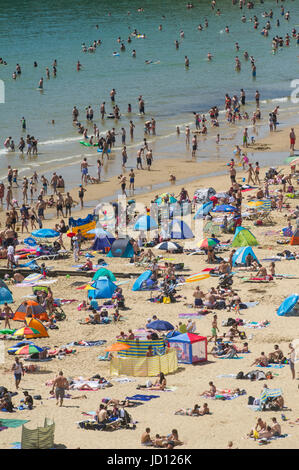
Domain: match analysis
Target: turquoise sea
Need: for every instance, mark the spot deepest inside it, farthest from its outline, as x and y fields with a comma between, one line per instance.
x=55, y=29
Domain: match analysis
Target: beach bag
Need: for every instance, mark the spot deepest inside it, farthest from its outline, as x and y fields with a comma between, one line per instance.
x=242, y=335
x=240, y=375
x=166, y=300
x=250, y=400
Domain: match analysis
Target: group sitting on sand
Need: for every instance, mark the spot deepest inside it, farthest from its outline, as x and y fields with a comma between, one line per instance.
x=168, y=442
x=262, y=431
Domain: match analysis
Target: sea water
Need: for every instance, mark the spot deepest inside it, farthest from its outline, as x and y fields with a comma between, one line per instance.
x=43, y=31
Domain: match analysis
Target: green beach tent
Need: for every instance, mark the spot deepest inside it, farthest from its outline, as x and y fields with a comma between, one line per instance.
x=103, y=272
x=243, y=237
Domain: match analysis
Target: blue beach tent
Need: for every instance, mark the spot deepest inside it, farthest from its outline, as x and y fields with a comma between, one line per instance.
x=104, y=288
x=5, y=296
x=239, y=258
x=121, y=248
x=145, y=223
x=179, y=230
x=288, y=305
x=143, y=282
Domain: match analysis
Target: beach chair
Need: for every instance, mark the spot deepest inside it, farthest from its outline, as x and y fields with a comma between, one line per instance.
x=104, y=358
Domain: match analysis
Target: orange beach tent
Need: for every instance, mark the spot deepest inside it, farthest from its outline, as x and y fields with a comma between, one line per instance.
x=37, y=311
x=36, y=324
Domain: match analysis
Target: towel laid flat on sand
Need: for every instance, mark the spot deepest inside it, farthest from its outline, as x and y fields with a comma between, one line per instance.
x=272, y=366
x=13, y=423
x=142, y=397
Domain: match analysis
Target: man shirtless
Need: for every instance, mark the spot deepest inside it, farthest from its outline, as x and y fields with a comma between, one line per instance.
x=146, y=438
x=61, y=385
x=211, y=392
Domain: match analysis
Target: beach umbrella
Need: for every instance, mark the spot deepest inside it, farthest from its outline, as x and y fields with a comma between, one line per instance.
x=206, y=243
x=255, y=203
x=26, y=330
x=145, y=223
x=160, y=325
x=118, y=347
x=198, y=277
x=28, y=349
x=45, y=233
x=168, y=246
x=224, y=208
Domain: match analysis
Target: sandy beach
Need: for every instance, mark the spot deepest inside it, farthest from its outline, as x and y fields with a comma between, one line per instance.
x=228, y=421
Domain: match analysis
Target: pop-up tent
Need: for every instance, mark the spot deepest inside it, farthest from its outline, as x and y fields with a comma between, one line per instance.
x=144, y=281
x=243, y=237
x=37, y=325
x=37, y=311
x=179, y=230
x=121, y=248
x=103, y=288
x=190, y=347
x=103, y=239
x=146, y=223
x=239, y=258
x=288, y=305
x=103, y=272
x=5, y=296
x=39, y=438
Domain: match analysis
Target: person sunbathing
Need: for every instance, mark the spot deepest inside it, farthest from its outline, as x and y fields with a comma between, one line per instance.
x=279, y=401
x=266, y=433
x=173, y=439
x=244, y=349
x=160, y=383
x=210, y=393
x=262, y=272
x=261, y=361
x=276, y=356
x=260, y=426
x=146, y=439
x=87, y=266
x=276, y=428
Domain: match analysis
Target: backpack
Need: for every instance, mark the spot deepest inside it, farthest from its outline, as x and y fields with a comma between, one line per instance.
x=230, y=322
x=240, y=375
x=250, y=400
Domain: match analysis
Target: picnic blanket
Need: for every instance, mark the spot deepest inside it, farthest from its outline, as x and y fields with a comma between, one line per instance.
x=142, y=397
x=273, y=366
x=88, y=385
x=13, y=423
x=99, y=342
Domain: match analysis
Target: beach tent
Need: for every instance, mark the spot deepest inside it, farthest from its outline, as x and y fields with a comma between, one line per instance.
x=103, y=288
x=269, y=393
x=146, y=223
x=121, y=248
x=143, y=282
x=204, y=209
x=85, y=225
x=179, y=230
x=287, y=305
x=160, y=325
x=39, y=438
x=36, y=324
x=243, y=237
x=295, y=238
x=45, y=233
x=168, y=246
x=37, y=311
x=103, y=239
x=103, y=272
x=190, y=347
x=5, y=296
x=239, y=257
x=3, y=284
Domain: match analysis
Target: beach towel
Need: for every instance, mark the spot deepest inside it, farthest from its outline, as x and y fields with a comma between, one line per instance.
x=193, y=314
x=235, y=357
x=124, y=380
x=13, y=423
x=142, y=397
x=99, y=342
x=272, y=366
x=251, y=304
x=255, y=324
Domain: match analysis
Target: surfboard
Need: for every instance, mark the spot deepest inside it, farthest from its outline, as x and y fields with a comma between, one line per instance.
x=101, y=150
x=87, y=144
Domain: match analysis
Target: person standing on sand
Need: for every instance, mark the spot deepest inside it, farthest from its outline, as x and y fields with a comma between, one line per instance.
x=292, y=355
x=18, y=371
x=61, y=384
x=214, y=329
x=292, y=140
x=81, y=194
